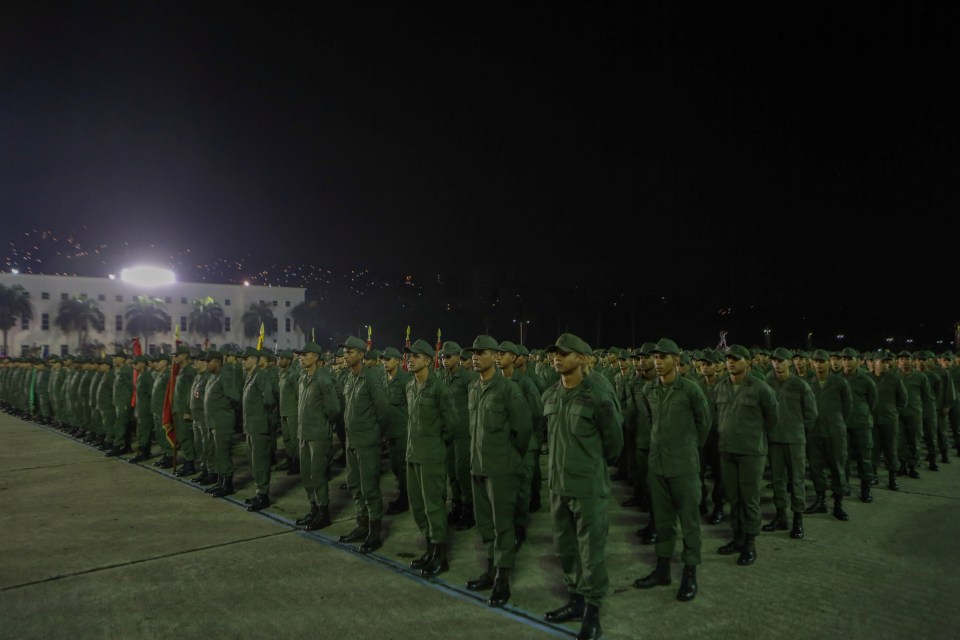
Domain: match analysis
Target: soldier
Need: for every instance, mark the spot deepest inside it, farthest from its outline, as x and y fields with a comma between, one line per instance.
x=103, y=393
x=161, y=376
x=499, y=435
x=710, y=369
x=367, y=414
x=796, y=414
x=863, y=394
x=457, y=379
x=431, y=420
x=289, y=384
x=121, y=395
x=891, y=401
x=585, y=435
x=181, y=411
x=746, y=414
x=828, y=438
x=680, y=419
x=202, y=434
x=646, y=373
x=911, y=418
x=142, y=409
x=949, y=362
x=257, y=401
x=317, y=407
x=521, y=368
x=395, y=385
x=220, y=398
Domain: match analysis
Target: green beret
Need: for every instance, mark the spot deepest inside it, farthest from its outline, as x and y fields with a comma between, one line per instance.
x=646, y=349
x=214, y=355
x=250, y=352
x=287, y=353
x=820, y=354
x=183, y=349
x=522, y=350
x=847, y=352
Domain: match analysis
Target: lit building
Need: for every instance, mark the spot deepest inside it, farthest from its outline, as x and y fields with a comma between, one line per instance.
x=114, y=296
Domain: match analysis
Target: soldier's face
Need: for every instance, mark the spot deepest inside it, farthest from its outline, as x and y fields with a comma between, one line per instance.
x=352, y=357
x=664, y=363
x=737, y=366
x=820, y=367
x=904, y=364
x=646, y=363
x=483, y=360
x=849, y=364
x=309, y=359
x=213, y=366
x=566, y=363
x=249, y=363
x=880, y=367
x=835, y=363
x=390, y=364
x=918, y=364
x=505, y=359
x=780, y=367
x=800, y=363
x=418, y=362
x=450, y=362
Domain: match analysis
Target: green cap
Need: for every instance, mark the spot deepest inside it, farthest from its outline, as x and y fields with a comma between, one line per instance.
x=353, y=342
x=141, y=358
x=625, y=354
x=450, y=348
x=183, y=349
x=820, y=354
x=847, y=352
x=522, y=350
x=250, y=352
x=214, y=355
x=286, y=353
x=266, y=353
x=373, y=354
x=904, y=354
x=646, y=349
x=684, y=358
x=666, y=345
x=120, y=354
x=508, y=347
x=569, y=343
x=391, y=352
x=482, y=342
x=709, y=355
x=782, y=354
x=309, y=347
x=422, y=347
x=738, y=352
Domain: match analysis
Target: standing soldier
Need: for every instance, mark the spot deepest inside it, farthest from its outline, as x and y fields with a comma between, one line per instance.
x=680, y=419
x=181, y=412
x=646, y=373
x=121, y=396
x=949, y=364
x=828, y=438
x=395, y=387
x=891, y=401
x=257, y=401
x=367, y=414
x=585, y=435
x=220, y=397
x=796, y=414
x=863, y=395
x=317, y=407
x=710, y=371
x=202, y=434
x=457, y=379
x=106, y=415
x=746, y=413
x=161, y=376
x=289, y=383
x=911, y=418
x=499, y=434
x=432, y=418
x=142, y=410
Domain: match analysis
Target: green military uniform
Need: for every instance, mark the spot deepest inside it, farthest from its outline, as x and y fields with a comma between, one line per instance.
x=105, y=409
x=289, y=385
x=121, y=397
x=911, y=419
x=220, y=397
x=157, y=398
x=142, y=410
x=828, y=438
x=317, y=406
x=891, y=400
x=202, y=433
x=863, y=395
x=396, y=433
x=458, y=449
x=257, y=400
x=183, y=425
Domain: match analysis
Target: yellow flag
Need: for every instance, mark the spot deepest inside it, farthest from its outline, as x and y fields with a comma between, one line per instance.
x=260, y=339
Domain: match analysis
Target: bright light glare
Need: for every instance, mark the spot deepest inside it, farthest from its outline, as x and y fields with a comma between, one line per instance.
x=147, y=276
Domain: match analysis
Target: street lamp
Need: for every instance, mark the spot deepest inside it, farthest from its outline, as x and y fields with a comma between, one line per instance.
x=521, y=323
x=766, y=338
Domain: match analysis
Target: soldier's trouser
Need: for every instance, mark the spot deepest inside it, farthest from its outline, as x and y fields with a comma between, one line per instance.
x=222, y=449
x=861, y=451
x=185, y=444
x=458, y=471
x=942, y=437
x=494, y=502
x=426, y=486
x=930, y=433
x=144, y=433
x=675, y=499
x=314, y=459
x=826, y=453
x=396, y=453
x=642, y=488
x=363, y=481
x=95, y=424
x=161, y=436
x=955, y=421
x=259, y=445
x=579, y=538
x=788, y=466
x=522, y=512
x=742, y=476
x=202, y=443
x=629, y=455
x=710, y=455
x=288, y=431
x=885, y=440
x=909, y=440
x=121, y=421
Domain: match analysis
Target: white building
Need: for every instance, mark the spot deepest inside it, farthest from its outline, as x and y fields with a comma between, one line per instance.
x=113, y=296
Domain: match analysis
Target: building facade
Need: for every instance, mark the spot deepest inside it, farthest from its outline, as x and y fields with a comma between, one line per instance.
x=114, y=296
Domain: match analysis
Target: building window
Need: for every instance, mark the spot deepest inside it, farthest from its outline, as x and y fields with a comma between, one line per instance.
x=118, y=322
x=45, y=322
x=63, y=296
x=226, y=302
x=183, y=323
x=45, y=295
x=274, y=323
x=168, y=299
x=25, y=322
x=226, y=322
x=287, y=303
x=101, y=297
x=275, y=303
x=183, y=301
x=119, y=298
x=64, y=350
x=286, y=324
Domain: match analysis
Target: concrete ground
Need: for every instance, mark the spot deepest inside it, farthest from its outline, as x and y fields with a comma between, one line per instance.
x=95, y=547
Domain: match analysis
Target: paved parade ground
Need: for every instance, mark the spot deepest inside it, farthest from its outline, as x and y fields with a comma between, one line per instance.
x=93, y=547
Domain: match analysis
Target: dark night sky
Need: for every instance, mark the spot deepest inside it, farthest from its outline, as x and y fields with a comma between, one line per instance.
x=758, y=153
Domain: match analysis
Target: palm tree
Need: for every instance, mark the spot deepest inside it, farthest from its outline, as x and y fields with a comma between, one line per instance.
x=79, y=314
x=145, y=316
x=307, y=316
x=206, y=317
x=258, y=313
x=14, y=304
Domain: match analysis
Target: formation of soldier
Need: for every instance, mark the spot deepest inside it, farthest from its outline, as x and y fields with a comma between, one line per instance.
x=689, y=432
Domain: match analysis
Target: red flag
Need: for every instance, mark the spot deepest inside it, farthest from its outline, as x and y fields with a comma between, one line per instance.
x=406, y=356
x=137, y=351
x=436, y=357
x=167, y=422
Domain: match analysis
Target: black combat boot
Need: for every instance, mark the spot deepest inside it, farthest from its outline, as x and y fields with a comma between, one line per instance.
x=912, y=472
x=210, y=479
x=779, y=522
x=865, y=494
x=226, y=488
x=400, y=505
x=200, y=477
x=659, y=577
x=485, y=580
x=892, y=483
x=944, y=458
x=423, y=560
x=932, y=462
x=309, y=516
x=113, y=452
x=467, y=520
x=688, y=584
x=748, y=554
x=717, y=516
x=734, y=546
x=501, y=588
x=188, y=469
x=140, y=457
x=438, y=563
x=321, y=521
x=359, y=532
x=590, y=627
x=216, y=486
x=373, y=540
x=572, y=610
x=838, y=511
x=456, y=512
x=797, y=531
x=260, y=502
x=819, y=505
x=294, y=469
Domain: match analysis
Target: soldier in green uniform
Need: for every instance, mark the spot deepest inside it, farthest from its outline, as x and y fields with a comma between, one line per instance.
x=202, y=434
x=680, y=422
x=317, y=407
x=863, y=395
x=56, y=391
x=158, y=394
x=395, y=387
x=367, y=415
x=257, y=400
x=521, y=368
x=585, y=435
x=106, y=415
x=951, y=364
x=746, y=410
x=182, y=423
x=121, y=396
x=289, y=384
x=891, y=400
x=710, y=371
x=456, y=378
x=142, y=408
x=220, y=399
x=499, y=435
x=432, y=416
x=911, y=418
x=646, y=373
x=828, y=438
x=796, y=414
